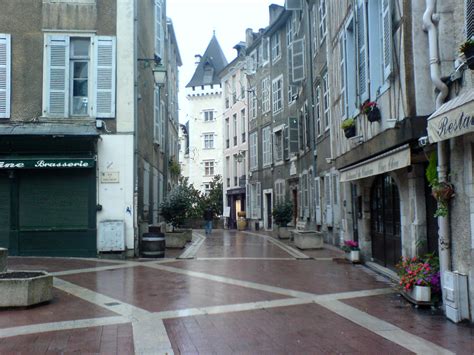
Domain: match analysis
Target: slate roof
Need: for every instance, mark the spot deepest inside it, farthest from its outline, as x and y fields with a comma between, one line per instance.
x=208, y=69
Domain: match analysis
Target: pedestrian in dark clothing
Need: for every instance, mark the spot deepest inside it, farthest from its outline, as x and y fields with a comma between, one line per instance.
x=208, y=216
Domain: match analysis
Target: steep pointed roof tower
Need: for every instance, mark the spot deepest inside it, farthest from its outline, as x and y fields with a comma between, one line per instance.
x=210, y=65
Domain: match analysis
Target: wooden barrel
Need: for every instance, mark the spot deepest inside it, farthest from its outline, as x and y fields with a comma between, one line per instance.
x=152, y=245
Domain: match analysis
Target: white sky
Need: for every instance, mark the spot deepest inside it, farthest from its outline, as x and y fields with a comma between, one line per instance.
x=195, y=20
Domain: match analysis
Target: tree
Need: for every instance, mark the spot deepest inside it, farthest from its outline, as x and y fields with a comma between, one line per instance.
x=215, y=197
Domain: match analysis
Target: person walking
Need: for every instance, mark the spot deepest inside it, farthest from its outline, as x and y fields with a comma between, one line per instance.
x=208, y=216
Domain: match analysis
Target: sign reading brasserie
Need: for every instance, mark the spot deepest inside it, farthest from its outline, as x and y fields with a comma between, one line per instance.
x=46, y=163
x=394, y=160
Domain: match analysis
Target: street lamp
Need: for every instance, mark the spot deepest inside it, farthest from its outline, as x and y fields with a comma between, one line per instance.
x=241, y=156
x=158, y=69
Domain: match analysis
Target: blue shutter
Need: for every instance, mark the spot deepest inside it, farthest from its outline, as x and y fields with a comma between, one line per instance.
x=5, y=75
x=159, y=28
x=105, y=77
x=387, y=38
x=362, y=51
x=57, y=83
x=375, y=46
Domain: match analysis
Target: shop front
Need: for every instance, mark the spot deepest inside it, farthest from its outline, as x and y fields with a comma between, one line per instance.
x=48, y=194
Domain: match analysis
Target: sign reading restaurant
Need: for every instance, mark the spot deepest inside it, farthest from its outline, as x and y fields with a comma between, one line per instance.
x=46, y=163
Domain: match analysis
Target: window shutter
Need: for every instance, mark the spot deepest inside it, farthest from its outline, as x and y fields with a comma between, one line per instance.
x=158, y=29
x=105, y=77
x=300, y=199
x=469, y=13
x=247, y=201
x=362, y=51
x=57, y=83
x=146, y=186
x=317, y=199
x=259, y=200
x=155, y=195
x=387, y=37
x=163, y=122
x=286, y=144
x=328, y=198
x=297, y=68
x=5, y=75
x=293, y=135
x=157, y=113
x=375, y=46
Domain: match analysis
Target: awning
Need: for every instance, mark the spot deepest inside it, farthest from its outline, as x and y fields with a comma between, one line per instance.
x=392, y=160
x=452, y=119
x=48, y=129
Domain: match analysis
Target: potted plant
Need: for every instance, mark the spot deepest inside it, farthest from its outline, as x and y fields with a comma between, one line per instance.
x=370, y=109
x=441, y=191
x=241, y=221
x=348, y=125
x=419, y=277
x=467, y=48
x=283, y=214
x=174, y=211
x=351, y=248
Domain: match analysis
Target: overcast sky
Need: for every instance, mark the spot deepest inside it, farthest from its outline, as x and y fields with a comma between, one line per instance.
x=195, y=20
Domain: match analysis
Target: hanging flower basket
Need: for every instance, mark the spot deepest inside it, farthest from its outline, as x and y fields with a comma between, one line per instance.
x=374, y=114
x=467, y=48
x=350, y=132
x=443, y=191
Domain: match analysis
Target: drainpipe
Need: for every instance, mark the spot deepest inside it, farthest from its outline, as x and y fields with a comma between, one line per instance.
x=430, y=19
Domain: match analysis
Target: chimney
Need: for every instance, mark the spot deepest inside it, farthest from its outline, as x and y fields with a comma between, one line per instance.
x=249, y=36
x=241, y=48
x=275, y=11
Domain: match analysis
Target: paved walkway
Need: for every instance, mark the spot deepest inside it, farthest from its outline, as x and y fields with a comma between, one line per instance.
x=233, y=292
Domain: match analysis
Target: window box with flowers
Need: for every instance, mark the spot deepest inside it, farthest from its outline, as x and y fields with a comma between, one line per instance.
x=467, y=48
x=349, y=127
x=420, y=278
x=370, y=109
x=351, y=248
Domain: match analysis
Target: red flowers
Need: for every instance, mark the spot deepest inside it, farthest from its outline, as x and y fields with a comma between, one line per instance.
x=367, y=106
x=416, y=271
x=350, y=245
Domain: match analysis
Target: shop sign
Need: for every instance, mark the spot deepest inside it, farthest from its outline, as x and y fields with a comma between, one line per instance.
x=454, y=118
x=393, y=160
x=45, y=163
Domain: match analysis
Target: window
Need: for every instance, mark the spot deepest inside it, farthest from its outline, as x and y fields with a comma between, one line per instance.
x=469, y=13
x=159, y=31
x=328, y=198
x=253, y=151
x=79, y=76
x=289, y=31
x=267, y=146
x=317, y=200
x=254, y=193
x=235, y=172
x=207, y=188
x=265, y=95
x=277, y=94
x=305, y=195
x=322, y=21
x=227, y=170
x=278, y=142
x=209, y=141
x=317, y=109
x=234, y=124
x=276, y=49
x=253, y=104
x=157, y=136
x=208, y=115
x=279, y=191
x=326, y=100
x=209, y=167
x=264, y=51
x=5, y=75
x=227, y=132
x=243, y=126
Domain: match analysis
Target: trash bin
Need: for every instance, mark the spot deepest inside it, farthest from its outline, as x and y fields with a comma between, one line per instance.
x=153, y=245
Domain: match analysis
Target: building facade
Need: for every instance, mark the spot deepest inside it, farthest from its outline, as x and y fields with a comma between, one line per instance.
x=81, y=169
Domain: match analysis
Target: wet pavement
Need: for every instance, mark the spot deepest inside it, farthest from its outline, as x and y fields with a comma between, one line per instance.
x=231, y=293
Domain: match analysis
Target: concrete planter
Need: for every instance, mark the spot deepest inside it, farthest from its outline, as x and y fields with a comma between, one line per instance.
x=308, y=239
x=176, y=240
x=353, y=256
x=3, y=259
x=25, y=288
x=188, y=232
x=284, y=232
x=421, y=293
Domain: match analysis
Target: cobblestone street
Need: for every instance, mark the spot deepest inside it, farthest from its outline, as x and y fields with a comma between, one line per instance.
x=235, y=292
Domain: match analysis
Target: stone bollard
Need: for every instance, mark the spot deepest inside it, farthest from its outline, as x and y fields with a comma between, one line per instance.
x=3, y=259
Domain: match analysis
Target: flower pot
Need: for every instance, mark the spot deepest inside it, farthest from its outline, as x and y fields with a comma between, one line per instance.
x=241, y=224
x=374, y=115
x=443, y=192
x=354, y=255
x=421, y=293
x=350, y=131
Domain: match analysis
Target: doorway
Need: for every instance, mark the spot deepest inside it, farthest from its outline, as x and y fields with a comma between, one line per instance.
x=267, y=209
x=385, y=221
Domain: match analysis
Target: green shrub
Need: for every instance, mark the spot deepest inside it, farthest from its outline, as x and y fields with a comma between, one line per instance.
x=283, y=213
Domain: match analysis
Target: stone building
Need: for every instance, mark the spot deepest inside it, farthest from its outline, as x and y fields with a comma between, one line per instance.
x=83, y=123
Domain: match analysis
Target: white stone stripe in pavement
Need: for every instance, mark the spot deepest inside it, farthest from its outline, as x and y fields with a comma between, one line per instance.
x=66, y=325
x=150, y=337
x=112, y=304
x=384, y=329
x=243, y=258
x=292, y=251
x=192, y=250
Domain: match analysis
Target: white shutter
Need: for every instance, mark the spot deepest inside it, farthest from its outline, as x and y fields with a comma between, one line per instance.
x=158, y=28
x=156, y=186
x=317, y=199
x=375, y=46
x=259, y=200
x=163, y=119
x=146, y=186
x=105, y=77
x=387, y=37
x=363, y=67
x=328, y=199
x=297, y=68
x=5, y=75
x=293, y=135
x=57, y=83
x=247, y=201
x=157, y=118
x=335, y=198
